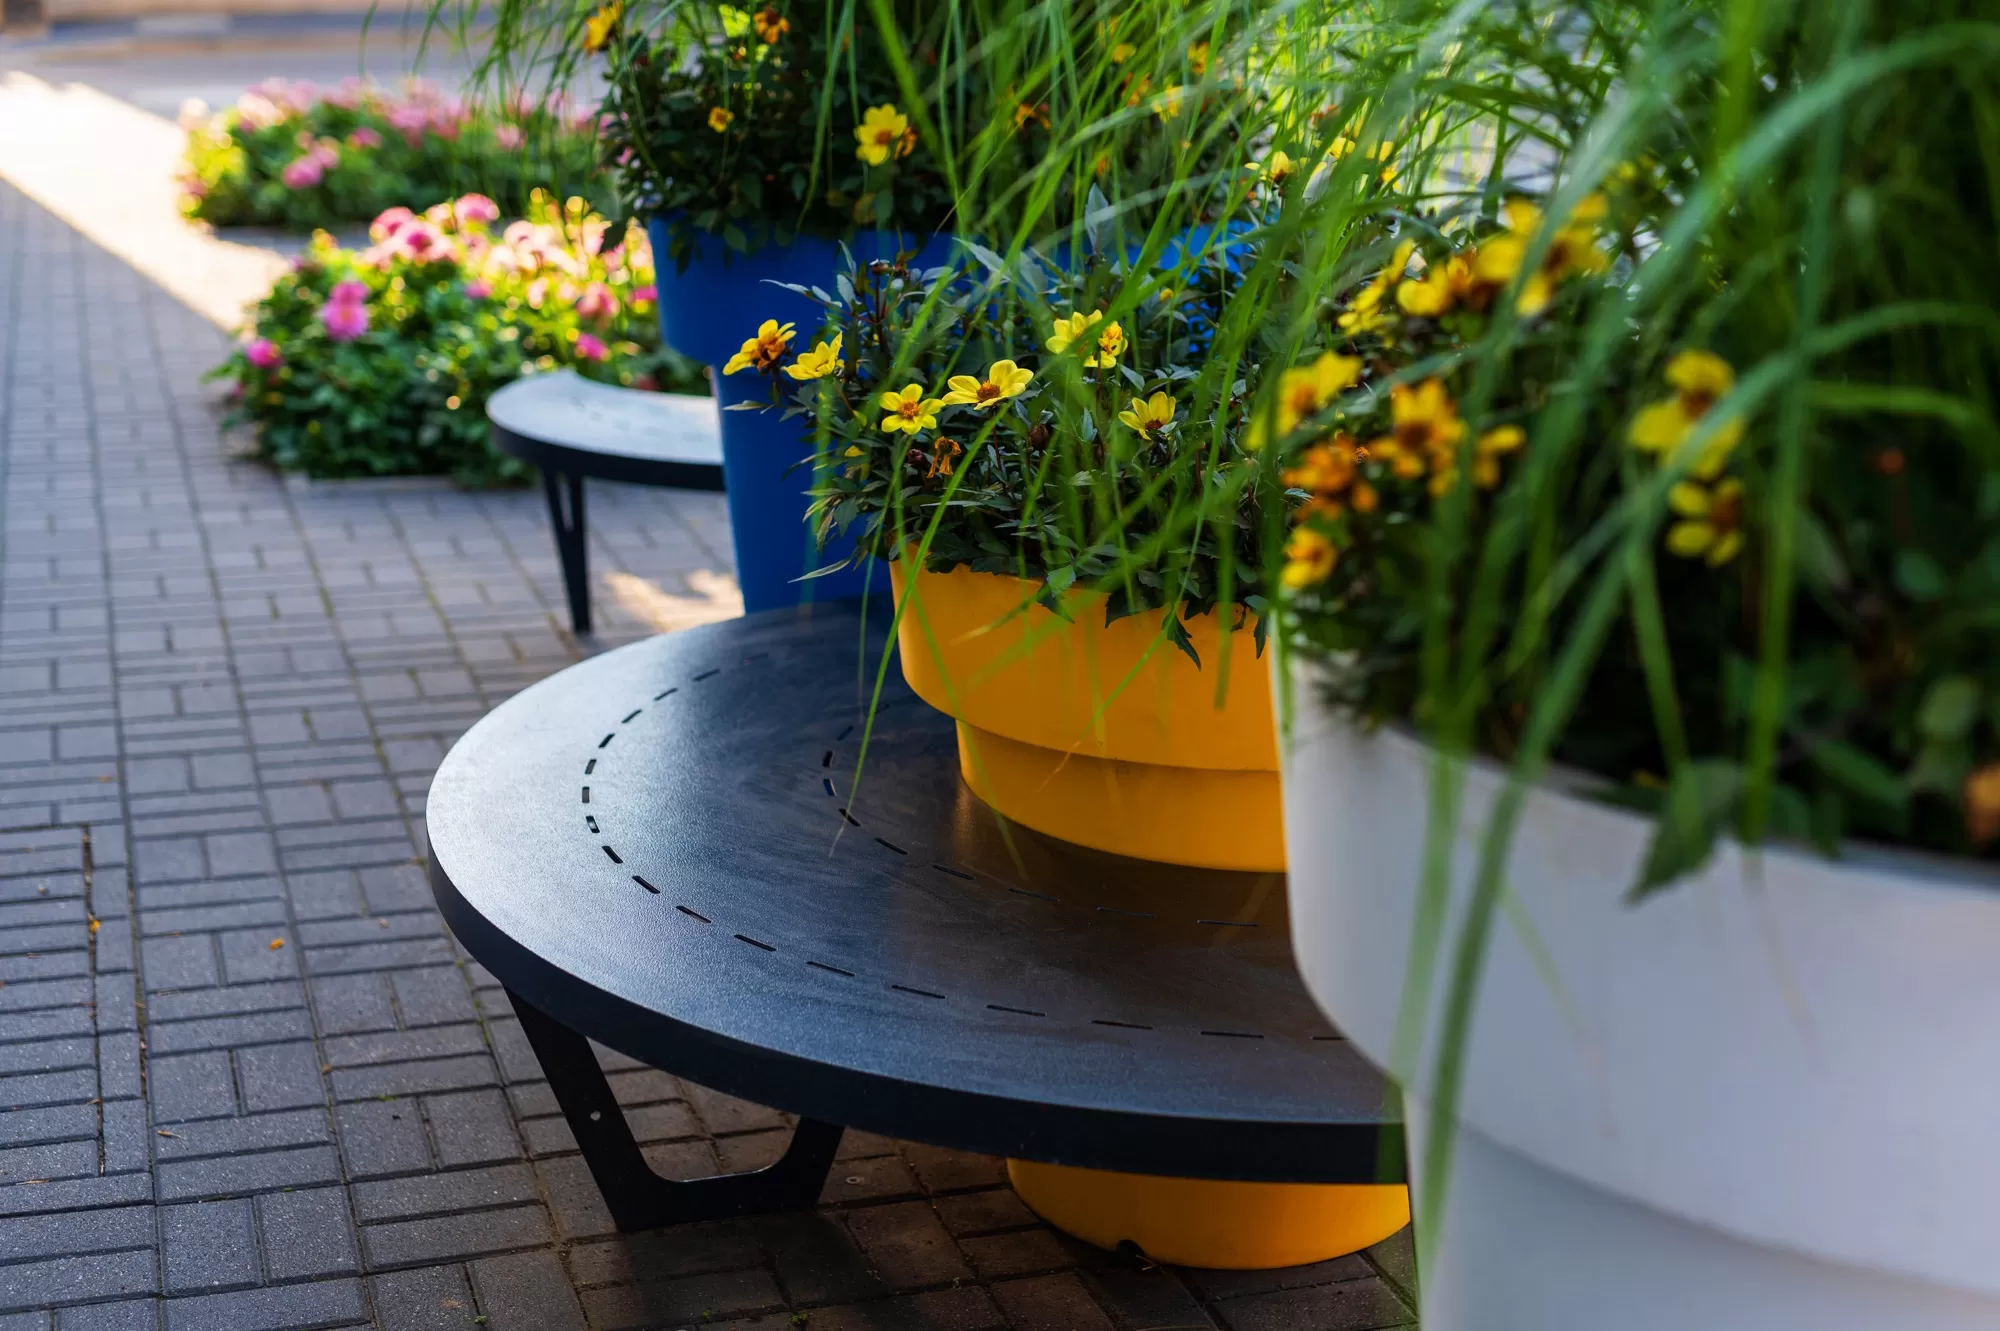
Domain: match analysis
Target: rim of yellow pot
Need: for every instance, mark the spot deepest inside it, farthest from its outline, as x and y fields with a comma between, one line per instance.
x=1118, y=691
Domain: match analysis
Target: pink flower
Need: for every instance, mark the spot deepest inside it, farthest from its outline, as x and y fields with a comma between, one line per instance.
x=477, y=208
x=538, y=293
x=423, y=243
x=303, y=172
x=589, y=348
x=410, y=122
x=364, y=137
x=478, y=290
x=508, y=137
x=597, y=303
x=645, y=295
x=389, y=222
x=345, y=320
x=262, y=353
x=349, y=291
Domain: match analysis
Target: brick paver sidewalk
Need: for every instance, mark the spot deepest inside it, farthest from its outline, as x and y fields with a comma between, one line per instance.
x=246, y=1081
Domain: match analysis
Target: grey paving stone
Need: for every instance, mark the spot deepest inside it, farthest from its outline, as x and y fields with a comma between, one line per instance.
x=526, y=1292
x=42, y=1284
x=208, y=1246
x=433, y=1298
x=126, y=1315
x=332, y=1303
x=307, y=1233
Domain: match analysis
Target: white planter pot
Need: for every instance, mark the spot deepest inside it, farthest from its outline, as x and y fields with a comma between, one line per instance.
x=1767, y=1098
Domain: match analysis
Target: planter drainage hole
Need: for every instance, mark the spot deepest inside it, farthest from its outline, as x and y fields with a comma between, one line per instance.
x=607, y=739
x=1022, y=1011
x=821, y=965
x=1121, y=1025
x=695, y=914
x=955, y=873
x=629, y=715
x=891, y=845
x=643, y=883
x=827, y=761
x=1234, y=924
x=851, y=822
x=746, y=938
x=613, y=854
x=827, y=781
x=921, y=993
x=844, y=733
x=1039, y=896
x=706, y=674
x=586, y=794
x=590, y=821
x=1235, y=1035
x=658, y=696
x=591, y=766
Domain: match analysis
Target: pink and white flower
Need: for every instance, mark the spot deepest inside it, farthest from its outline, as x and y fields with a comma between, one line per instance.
x=263, y=353
x=590, y=348
x=345, y=320
x=477, y=289
x=364, y=137
x=388, y=222
x=476, y=208
x=597, y=304
x=303, y=172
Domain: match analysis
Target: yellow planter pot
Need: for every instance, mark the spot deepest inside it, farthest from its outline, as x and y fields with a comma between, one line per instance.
x=1211, y=1223
x=1108, y=737
x=1104, y=735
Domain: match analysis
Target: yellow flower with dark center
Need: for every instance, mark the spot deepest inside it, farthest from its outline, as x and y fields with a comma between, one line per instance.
x=909, y=410
x=1572, y=249
x=1148, y=415
x=1198, y=58
x=1424, y=430
x=1305, y=392
x=1309, y=557
x=770, y=25
x=1122, y=52
x=1433, y=295
x=883, y=130
x=1699, y=379
x=1004, y=379
x=1364, y=313
x=1276, y=169
x=822, y=360
x=597, y=29
x=765, y=351
x=719, y=118
x=1330, y=472
x=1711, y=525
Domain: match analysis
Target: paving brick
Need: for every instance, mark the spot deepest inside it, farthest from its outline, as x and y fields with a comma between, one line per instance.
x=208, y=1246
x=382, y=1137
x=126, y=1315
x=76, y=1233
x=192, y=1086
x=333, y=1303
x=526, y=1292
x=227, y=1176
x=1354, y=1305
x=307, y=1233
x=241, y=1136
x=441, y=1238
x=282, y=1076
x=472, y=1128
x=58, y=1280
x=907, y=1245
x=691, y=1299
x=433, y=1298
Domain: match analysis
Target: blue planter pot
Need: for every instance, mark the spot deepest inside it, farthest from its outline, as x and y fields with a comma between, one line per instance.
x=706, y=312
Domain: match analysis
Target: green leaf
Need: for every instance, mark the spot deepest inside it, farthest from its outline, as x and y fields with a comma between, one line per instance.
x=1699, y=800
x=1861, y=775
x=1949, y=709
x=1919, y=576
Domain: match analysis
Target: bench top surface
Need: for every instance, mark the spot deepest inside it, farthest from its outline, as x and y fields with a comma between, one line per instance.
x=665, y=848
x=561, y=418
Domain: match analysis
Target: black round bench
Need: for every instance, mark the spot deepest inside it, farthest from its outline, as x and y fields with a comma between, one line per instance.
x=571, y=427
x=665, y=849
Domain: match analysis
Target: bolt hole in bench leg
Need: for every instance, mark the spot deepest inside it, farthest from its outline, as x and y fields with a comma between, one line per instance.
x=571, y=536
x=637, y=1197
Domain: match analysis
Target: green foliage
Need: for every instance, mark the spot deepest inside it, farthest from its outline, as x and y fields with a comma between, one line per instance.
x=379, y=362
x=287, y=155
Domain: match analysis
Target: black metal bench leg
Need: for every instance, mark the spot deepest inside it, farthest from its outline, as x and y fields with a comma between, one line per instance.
x=637, y=1197
x=570, y=543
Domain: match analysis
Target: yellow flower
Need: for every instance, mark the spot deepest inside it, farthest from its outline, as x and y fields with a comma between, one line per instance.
x=1304, y=392
x=1004, y=379
x=1424, y=430
x=1309, y=557
x=770, y=25
x=598, y=27
x=1275, y=169
x=1573, y=249
x=1433, y=295
x=1381, y=152
x=1365, y=313
x=1712, y=522
x=1110, y=344
x=764, y=351
x=909, y=410
x=883, y=130
x=719, y=118
x=1149, y=414
x=1198, y=58
x=1699, y=379
x=1490, y=448
x=1168, y=104
x=1122, y=52
x=1031, y=112
x=1329, y=471
x=822, y=360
